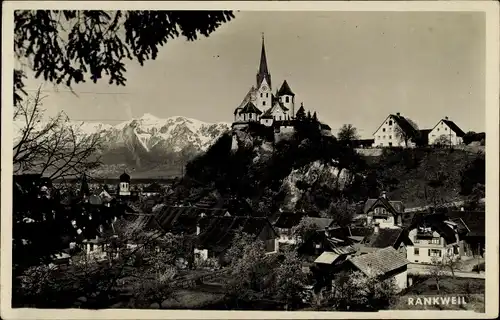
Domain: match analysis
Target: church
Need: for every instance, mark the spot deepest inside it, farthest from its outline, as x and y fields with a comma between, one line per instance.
x=261, y=104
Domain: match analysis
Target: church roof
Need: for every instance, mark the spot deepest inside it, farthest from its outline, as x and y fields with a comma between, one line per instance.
x=263, y=70
x=250, y=108
x=285, y=90
x=124, y=177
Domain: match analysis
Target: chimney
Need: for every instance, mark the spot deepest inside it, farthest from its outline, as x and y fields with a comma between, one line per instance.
x=383, y=195
x=376, y=227
x=446, y=118
x=398, y=114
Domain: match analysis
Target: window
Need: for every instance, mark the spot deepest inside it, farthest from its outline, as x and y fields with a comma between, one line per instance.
x=445, y=129
x=434, y=253
x=438, y=129
x=390, y=144
x=287, y=99
x=416, y=251
x=383, y=129
x=267, y=95
x=435, y=240
x=390, y=122
x=261, y=94
x=263, y=103
x=384, y=137
x=390, y=137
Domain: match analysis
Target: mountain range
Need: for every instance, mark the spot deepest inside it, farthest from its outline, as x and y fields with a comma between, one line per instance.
x=149, y=147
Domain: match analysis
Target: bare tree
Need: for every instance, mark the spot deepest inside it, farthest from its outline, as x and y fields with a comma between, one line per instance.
x=348, y=133
x=437, y=271
x=52, y=147
x=408, y=133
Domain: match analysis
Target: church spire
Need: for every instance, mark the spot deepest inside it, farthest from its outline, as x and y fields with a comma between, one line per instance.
x=263, y=71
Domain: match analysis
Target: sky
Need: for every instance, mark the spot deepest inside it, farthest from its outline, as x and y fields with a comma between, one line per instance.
x=349, y=67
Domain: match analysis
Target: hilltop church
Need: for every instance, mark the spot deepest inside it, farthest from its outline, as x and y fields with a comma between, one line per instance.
x=261, y=104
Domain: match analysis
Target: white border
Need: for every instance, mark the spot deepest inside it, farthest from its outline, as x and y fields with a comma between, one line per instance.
x=491, y=9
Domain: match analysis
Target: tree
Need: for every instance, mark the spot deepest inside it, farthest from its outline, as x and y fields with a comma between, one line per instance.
x=289, y=280
x=443, y=141
x=407, y=132
x=304, y=229
x=315, y=117
x=53, y=148
x=347, y=133
x=437, y=271
x=248, y=277
x=469, y=137
x=355, y=291
x=301, y=113
x=342, y=212
x=70, y=45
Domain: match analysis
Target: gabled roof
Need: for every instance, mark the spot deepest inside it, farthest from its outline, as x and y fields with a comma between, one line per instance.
x=250, y=108
x=288, y=220
x=473, y=222
x=385, y=237
x=393, y=206
x=453, y=126
x=217, y=232
x=285, y=90
x=153, y=187
x=321, y=223
x=379, y=262
x=436, y=222
x=246, y=99
x=403, y=123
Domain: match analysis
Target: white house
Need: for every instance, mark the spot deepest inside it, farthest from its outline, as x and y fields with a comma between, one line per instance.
x=446, y=132
x=433, y=237
x=395, y=131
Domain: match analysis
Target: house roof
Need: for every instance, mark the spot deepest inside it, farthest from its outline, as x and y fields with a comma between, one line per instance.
x=153, y=187
x=435, y=221
x=217, y=232
x=285, y=90
x=386, y=237
x=322, y=223
x=287, y=220
x=453, y=126
x=472, y=221
x=246, y=99
x=403, y=123
x=392, y=206
x=327, y=258
x=379, y=262
x=250, y=108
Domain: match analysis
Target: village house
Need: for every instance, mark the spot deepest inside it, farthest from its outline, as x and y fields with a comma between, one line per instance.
x=384, y=212
x=284, y=224
x=215, y=234
x=384, y=264
x=151, y=190
x=395, y=131
x=471, y=230
x=446, y=132
x=434, y=236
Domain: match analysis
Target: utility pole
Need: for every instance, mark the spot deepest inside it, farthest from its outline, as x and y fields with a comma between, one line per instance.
x=478, y=255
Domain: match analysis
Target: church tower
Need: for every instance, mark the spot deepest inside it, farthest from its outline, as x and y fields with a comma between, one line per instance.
x=124, y=187
x=264, y=93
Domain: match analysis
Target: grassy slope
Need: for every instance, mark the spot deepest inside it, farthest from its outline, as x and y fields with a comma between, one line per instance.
x=408, y=175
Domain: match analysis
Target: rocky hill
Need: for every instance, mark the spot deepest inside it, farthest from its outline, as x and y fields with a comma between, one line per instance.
x=309, y=171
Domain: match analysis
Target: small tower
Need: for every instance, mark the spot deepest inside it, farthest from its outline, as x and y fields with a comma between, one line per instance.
x=287, y=97
x=84, y=188
x=264, y=93
x=124, y=188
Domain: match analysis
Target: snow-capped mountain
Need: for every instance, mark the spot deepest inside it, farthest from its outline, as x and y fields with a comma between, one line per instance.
x=149, y=142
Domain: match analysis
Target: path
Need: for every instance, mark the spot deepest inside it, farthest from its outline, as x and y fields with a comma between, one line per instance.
x=421, y=269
